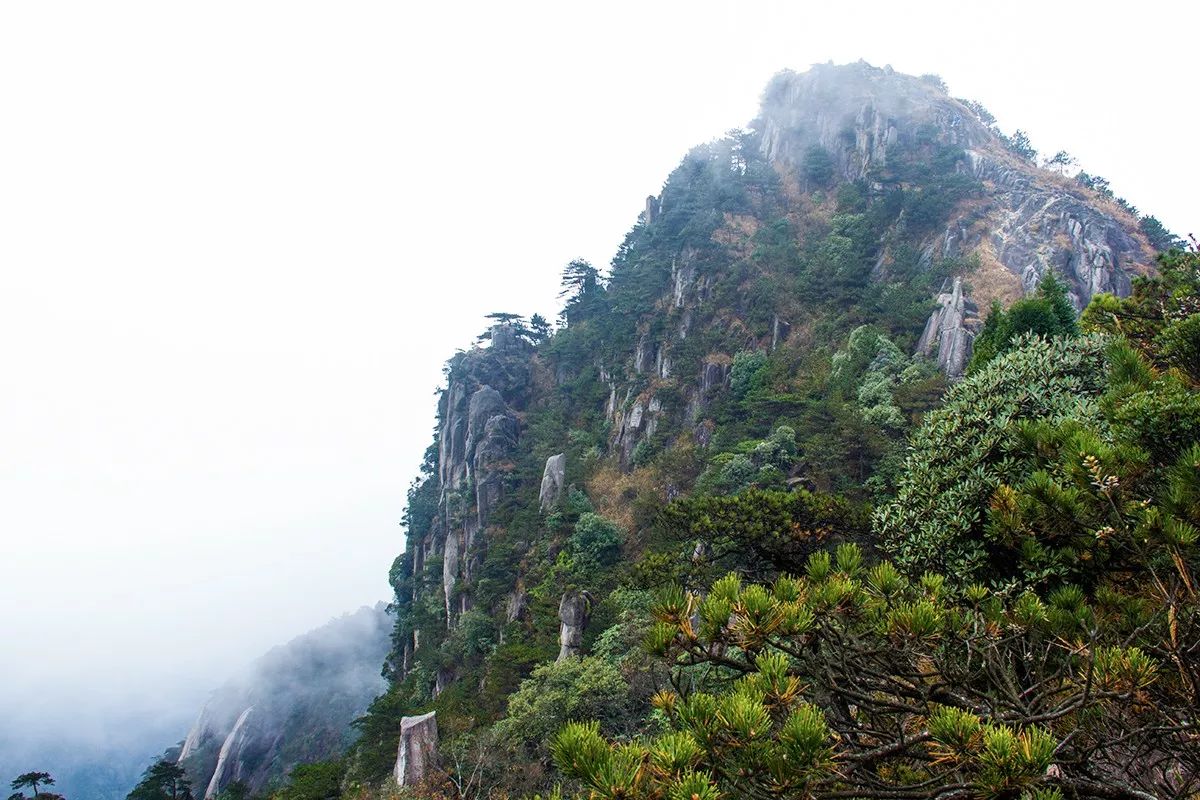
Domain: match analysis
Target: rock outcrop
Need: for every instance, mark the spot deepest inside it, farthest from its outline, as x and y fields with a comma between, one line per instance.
x=857, y=113
x=1035, y=225
x=1024, y=221
x=516, y=607
x=229, y=759
x=1009, y=226
x=199, y=731
x=418, y=752
x=574, y=611
x=553, y=477
x=950, y=331
x=479, y=430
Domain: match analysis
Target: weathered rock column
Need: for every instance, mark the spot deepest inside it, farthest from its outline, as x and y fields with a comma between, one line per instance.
x=950, y=332
x=552, y=481
x=574, y=610
x=418, y=752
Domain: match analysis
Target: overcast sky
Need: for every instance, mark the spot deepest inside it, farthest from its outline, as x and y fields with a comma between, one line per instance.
x=238, y=240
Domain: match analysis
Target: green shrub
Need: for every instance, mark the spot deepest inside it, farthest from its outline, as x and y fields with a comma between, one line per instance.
x=565, y=691
x=960, y=454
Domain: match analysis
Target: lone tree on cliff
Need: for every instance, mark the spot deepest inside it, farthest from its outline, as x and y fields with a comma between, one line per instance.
x=31, y=780
x=581, y=284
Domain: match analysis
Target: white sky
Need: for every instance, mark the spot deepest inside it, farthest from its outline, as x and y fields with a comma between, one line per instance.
x=238, y=240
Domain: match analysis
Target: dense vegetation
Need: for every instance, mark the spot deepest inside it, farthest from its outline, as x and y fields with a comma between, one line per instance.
x=1017, y=616
x=810, y=567
x=1038, y=634
x=820, y=576
x=799, y=419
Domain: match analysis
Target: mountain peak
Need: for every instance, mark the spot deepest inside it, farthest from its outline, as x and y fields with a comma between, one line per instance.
x=1017, y=222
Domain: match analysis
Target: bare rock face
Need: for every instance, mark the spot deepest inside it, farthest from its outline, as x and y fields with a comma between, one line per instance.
x=553, y=477
x=450, y=571
x=485, y=404
x=643, y=355
x=857, y=113
x=498, y=443
x=452, y=443
x=229, y=762
x=779, y=331
x=203, y=729
x=1044, y=226
x=652, y=210
x=516, y=607
x=574, y=611
x=445, y=676
x=631, y=428
x=950, y=331
x=478, y=436
x=489, y=431
x=418, y=753
x=712, y=376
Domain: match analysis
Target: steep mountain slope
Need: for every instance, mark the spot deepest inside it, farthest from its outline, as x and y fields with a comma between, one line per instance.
x=295, y=706
x=783, y=312
x=1027, y=219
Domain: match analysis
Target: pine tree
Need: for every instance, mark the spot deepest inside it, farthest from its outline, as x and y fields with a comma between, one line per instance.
x=32, y=780
x=162, y=780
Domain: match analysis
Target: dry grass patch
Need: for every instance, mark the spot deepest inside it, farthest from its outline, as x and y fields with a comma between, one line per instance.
x=624, y=497
x=992, y=280
x=737, y=233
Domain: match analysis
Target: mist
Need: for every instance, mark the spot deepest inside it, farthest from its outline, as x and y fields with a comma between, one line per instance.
x=238, y=241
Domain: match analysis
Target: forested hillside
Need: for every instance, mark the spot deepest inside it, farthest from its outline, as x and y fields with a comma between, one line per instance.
x=869, y=468
x=821, y=488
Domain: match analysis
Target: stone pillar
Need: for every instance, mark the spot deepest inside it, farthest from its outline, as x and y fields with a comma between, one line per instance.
x=418, y=752
x=574, y=610
x=553, y=477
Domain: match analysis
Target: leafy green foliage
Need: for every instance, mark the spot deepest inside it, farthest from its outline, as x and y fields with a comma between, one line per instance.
x=1048, y=313
x=818, y=166
x=595, y=545
x=862, y=681
x=1060, y=162
x=1081, y=511
x=1020, y=145
x=582, y=288
x=748, y=374
x=162, y=780
x=573, y=689
x=961, y=453
x=763, y=532
x=234, y=791
x=1097, y=184
x=318, y=781
x=1160, y=238
x=1160, y=317
x=764, y=464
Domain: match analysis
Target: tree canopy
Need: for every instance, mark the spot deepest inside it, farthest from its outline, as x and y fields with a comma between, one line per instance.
x=162, y=780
